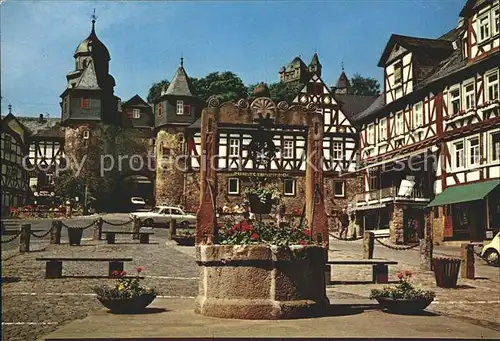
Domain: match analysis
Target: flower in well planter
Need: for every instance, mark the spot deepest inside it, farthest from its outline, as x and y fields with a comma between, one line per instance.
x=126, y=295
x=404, y=297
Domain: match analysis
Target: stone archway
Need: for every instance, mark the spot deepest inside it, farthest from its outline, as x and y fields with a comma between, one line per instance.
x=135, y=185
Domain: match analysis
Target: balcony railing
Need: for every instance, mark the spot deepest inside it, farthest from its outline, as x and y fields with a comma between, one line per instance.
x=380, y=195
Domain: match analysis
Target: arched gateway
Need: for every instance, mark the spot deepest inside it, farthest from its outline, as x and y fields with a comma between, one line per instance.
x=220, y=277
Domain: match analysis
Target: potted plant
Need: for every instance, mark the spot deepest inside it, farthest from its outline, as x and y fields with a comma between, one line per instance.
x=403, y=298
x=261, y=198
x=260, y=270
x=184, y=238
x=126, y=296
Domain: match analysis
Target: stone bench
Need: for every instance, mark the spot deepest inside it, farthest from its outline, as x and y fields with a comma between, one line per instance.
x=379, y=266
x=53, y=266
x=143, y=236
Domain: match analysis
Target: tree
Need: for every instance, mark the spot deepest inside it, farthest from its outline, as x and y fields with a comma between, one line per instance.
x=364, y=86
x=285, y=91
x=155, y=90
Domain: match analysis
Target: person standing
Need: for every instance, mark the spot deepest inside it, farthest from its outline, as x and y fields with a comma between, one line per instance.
x=344, y=221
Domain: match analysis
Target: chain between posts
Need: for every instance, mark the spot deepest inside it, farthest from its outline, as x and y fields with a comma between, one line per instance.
x=117, y=224
x=78, y=227
x=345, y=240
x=12, y=239
x=398, y=248
x=42, y=235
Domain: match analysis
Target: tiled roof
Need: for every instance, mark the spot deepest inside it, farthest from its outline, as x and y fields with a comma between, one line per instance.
x=343, y=81
x=136, y=100
x=353, y=104
x=180, y=84
x=376, y=105
x=48, y=127
x=472, y=5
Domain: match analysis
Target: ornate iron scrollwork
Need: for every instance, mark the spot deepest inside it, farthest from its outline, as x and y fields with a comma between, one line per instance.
x=262, y=149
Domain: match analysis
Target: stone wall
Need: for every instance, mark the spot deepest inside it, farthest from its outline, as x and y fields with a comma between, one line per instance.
x=396, y=225
x=170, y=164
x=438, y=226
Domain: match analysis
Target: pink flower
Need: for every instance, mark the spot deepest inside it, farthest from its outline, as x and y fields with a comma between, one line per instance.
x=140, y=269
x=123, y=273
x=302, y=242
x=400, y=275
x=254, y=236
x=115, y=273
x=307, y=233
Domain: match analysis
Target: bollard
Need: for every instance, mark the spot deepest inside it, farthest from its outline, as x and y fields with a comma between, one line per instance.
x=24, y=240
x=55, y=233
x=135, y=228
x=467, y=269
x=172, y=229
x=368, y=245
x=98, y=229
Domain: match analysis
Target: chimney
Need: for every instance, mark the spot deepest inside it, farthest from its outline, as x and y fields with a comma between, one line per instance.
x=40, y=118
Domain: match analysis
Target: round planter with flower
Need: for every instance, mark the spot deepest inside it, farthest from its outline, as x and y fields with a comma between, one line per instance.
x=403, y=298
x=257, y=270
x=126, y=296
x=261, y=198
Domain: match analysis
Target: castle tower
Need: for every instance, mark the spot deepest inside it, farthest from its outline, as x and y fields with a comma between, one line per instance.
x=342, y=86
x=315, y=66
x=175, y=110
x=89, y=108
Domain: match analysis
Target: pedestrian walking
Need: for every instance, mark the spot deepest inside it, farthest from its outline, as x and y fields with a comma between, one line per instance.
x=344, y=221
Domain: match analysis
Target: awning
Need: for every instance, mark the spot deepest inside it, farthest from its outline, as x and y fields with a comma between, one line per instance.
x=458, y=194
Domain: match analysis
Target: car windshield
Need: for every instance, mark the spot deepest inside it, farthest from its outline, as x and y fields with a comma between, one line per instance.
x=156, y=210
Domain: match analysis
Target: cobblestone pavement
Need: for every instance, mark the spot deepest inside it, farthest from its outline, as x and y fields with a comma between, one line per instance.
x=477, y=301
x=33, y=306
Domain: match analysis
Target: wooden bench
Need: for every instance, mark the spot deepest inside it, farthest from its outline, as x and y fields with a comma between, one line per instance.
x=380, y=267
x=53, y=266
x=143, y=236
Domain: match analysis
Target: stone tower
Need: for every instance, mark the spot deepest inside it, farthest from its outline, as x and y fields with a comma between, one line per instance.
x=175, y=110
x=342, y=86
x=89, y=108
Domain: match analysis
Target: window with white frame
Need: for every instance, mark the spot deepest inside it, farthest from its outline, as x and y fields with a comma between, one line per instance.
x=469, y=96
x=399, y=92
x=382, y=129
x=338, y=188
x=473, y=151
x=234, y=147
x=233, y=186
x=398, y=72
x=136, y=113
x=492, y=86
x=484, y=27
x=454, y=97
x=496, y=20
x=458, y=154
x=180, y=107
x=370, y=134
x=495, y=146
x=289, y=187
x=337, y=150
x=287, y=149
x=419, y=115
x=86, y=134
x=399, y=123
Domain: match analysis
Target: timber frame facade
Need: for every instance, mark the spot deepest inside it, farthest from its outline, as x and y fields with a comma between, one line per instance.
x=436, y=126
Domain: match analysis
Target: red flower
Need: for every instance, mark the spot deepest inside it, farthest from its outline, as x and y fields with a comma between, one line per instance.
x=123, y=273
x=115, y=273
x=254, y=236
x=246, y=227
x=400, y=275
x=302, y=242
x=307, y=233
x=235, y=227
x=407, y=273
x=140, y=269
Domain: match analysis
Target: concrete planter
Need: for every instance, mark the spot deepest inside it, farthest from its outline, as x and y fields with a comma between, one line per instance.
x=259, y=282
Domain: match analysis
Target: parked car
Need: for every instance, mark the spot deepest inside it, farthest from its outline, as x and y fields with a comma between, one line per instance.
x=162, y=215
x=491, y=251
x=137, y=203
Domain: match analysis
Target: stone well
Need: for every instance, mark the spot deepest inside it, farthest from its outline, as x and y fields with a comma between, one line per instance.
x=261, y=282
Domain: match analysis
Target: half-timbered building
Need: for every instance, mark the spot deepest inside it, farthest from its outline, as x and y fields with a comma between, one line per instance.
x=14, y=178
x=436, y=93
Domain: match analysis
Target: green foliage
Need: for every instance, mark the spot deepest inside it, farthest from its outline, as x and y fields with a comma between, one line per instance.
x=65, y=184
x=124, y=287
x=227, y=86
x=155, y=90
x=364, y=86
x=403, y=290
x=284, y=91
x=259, y=232
x=263, y=192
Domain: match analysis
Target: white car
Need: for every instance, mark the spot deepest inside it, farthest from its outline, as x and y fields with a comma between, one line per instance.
x=491, y=251
x=162, y=215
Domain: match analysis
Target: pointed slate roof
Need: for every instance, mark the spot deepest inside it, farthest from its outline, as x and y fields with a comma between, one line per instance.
x=343, y=81
x=88, y=79
x=180, y=84
x=136, y=100
x=92, y=46
x=315, y=59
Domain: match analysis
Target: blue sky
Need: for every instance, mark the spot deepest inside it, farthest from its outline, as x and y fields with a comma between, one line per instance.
x=250, y=38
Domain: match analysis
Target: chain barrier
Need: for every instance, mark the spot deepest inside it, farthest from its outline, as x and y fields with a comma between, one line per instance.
x=77, y=227
x=345, y=240
x=11, y=239
x=398, y=248
x=117, y=224
x=42, y=235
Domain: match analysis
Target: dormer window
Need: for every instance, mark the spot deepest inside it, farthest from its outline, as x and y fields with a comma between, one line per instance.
x=136, y=113
x=484, y=27
x=85, y=103
x=398, y=72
